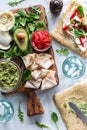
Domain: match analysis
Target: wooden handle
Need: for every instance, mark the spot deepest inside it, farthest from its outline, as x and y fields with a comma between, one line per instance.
x=34, y=106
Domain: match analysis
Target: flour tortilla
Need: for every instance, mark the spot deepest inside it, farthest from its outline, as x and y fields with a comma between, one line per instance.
x=61, y=37
x=72, y=121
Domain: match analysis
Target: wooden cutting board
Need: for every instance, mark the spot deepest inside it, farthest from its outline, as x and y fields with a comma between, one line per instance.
x=34, y=106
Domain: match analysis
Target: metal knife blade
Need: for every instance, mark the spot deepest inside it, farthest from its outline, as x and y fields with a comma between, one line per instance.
x=78, y=112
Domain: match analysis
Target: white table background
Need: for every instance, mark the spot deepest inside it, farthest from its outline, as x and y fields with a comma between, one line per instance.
x=46, y=97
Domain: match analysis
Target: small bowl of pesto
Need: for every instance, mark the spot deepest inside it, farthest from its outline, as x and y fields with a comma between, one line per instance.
x=10, y=76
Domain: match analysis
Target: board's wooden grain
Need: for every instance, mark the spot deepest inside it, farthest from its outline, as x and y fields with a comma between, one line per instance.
x=34, y=106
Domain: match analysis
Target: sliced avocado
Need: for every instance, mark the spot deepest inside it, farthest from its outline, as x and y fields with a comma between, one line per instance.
x=21, y=38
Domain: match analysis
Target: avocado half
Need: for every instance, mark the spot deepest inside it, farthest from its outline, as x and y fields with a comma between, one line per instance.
x=21, y=38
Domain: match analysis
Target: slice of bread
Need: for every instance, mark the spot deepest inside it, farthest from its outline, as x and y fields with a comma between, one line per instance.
x=59, y=35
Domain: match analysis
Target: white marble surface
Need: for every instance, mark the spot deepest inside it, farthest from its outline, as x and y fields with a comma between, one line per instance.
x=45, y=97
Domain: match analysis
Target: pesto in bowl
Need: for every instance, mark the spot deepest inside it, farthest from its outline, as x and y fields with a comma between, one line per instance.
x=10, y=75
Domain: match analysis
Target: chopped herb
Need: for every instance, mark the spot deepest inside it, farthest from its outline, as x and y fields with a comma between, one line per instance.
x=20, y=114
x=42, y=125
x=26, y=75
x=15, y=3
x=55, y=119
x=80, y=8
x=64, y=51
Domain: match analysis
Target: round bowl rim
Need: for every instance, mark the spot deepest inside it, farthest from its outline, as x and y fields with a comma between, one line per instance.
x=20, y=77
x=83, y=67
x=40, y=50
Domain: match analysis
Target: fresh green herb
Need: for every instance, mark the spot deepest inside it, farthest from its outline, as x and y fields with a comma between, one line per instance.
x=80, y=8
x=41, y=24
x=22, y=13
x=64, y=51
x=36, y=9
x=23, y=22
x=15, y=51
x=31, y=27
x=79, y=32
x=42, y=125
x=20, y=114
x=55, y=119
x=28, y=20
x=32, y=17
x=14, y=2
x=27, y=74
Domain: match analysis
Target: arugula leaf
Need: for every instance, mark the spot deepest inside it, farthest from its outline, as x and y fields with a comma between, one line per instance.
x=55, y=119
x=23, y=22
x=22, y=12
x=32, y=17
x=41, y=24
x=27, y=74
x=42, y=125
x=16, y=15
x=36, y=9
x=20, y=114
x=15, y=51
x=61, y=51
x=79, y=32
x=14, y=2
x=31, y=27
x=80, y=8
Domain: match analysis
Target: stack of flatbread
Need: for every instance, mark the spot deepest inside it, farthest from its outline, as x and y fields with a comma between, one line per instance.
x=60, y=36
x=42, y=76
x=76, y=94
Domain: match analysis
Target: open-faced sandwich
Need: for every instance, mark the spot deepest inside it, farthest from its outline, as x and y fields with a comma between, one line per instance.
x=71, y=30
x=76, y=94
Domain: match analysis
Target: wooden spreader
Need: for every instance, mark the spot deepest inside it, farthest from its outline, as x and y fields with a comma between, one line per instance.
x=34, y=106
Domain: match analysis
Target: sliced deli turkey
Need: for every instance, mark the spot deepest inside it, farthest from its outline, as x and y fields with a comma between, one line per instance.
x=71, y=29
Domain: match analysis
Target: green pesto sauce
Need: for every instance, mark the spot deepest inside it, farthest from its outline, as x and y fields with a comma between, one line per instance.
x=78, y=101
x=9, y=75
x=82, y=106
